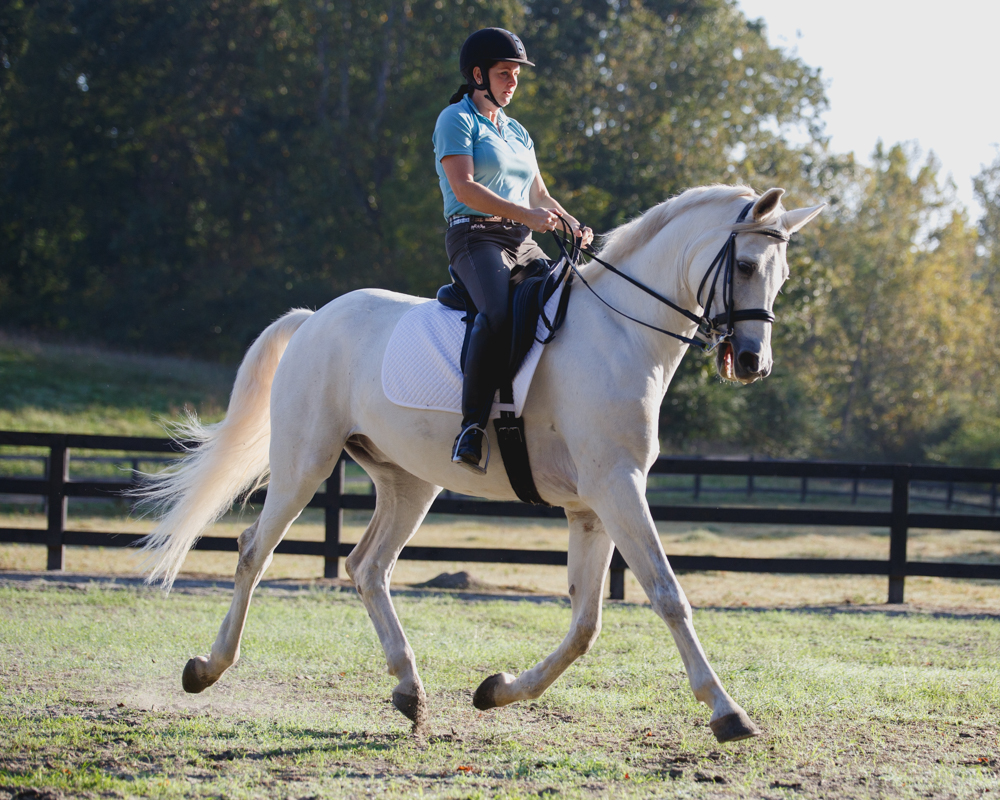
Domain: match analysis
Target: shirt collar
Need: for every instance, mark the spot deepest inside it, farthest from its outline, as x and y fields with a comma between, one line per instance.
x=501, y=116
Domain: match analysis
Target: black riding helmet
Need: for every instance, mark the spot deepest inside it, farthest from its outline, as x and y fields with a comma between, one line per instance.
x=483, y=49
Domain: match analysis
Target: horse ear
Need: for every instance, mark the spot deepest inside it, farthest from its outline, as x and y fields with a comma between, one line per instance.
x=768, y=202
x=792, y=221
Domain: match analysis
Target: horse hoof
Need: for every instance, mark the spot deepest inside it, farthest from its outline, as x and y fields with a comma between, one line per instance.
x=733, y=727
x=413, y=707
x=485, y=697
x=194, y=679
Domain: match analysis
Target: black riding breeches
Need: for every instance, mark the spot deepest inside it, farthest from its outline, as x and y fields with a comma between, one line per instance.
x=482, y=255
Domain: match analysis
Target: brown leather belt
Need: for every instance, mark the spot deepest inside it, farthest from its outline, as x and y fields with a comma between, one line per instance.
x=462, y=219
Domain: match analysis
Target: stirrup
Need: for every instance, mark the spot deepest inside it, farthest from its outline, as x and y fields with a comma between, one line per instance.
x=457, y=459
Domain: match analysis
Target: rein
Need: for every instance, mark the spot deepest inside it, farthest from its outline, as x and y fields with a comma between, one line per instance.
x=709, y=328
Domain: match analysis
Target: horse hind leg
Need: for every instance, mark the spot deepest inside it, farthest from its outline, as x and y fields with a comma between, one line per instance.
x=285, y=500
x=589, y=557
x=402, y=502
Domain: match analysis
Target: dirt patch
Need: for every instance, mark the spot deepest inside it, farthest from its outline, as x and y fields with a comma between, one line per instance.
x=465, y=581
x=460, y=584
x=533, y=751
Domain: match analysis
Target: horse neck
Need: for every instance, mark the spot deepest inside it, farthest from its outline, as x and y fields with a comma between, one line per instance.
x=663, y=265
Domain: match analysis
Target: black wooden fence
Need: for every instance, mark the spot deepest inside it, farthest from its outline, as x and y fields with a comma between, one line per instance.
x=57, y=487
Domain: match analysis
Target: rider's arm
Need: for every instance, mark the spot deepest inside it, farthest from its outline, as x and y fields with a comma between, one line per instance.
x=459, y=169
x=539, y=197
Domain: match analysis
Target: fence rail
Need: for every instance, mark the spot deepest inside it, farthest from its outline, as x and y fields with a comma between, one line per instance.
x=934, y=492
x=56, y=488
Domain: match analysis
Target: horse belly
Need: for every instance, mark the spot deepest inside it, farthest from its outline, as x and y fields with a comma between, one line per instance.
x=329, y=384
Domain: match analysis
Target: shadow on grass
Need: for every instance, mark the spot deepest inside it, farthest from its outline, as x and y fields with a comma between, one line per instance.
x=325, y=742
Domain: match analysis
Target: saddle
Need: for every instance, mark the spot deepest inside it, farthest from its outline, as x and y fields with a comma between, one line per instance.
x=531, y=287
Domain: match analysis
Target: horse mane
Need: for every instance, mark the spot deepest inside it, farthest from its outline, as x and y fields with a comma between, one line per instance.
x=624, y=240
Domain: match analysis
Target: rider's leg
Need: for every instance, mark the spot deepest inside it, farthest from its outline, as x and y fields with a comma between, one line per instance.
x=478, y=389
x=486, y=355
x=481, y=259
x=528, y=250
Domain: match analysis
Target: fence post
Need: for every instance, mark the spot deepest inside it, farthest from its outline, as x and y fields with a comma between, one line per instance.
x=617, y=576
x=804, y=489
x=57, y=503
x=898, y=532
x=697, y=486
x=854, y=491
x=333, y=520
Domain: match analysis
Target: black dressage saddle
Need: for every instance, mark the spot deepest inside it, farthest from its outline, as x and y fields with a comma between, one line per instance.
x=532, y=285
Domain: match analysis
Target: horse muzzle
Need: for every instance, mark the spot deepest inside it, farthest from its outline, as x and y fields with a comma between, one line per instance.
x=740, y=363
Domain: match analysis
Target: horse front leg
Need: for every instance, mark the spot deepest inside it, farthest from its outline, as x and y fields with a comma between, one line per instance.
x=621, y=504
x=588, y=559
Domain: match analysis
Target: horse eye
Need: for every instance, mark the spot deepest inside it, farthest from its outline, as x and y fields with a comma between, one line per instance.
x=746, y=267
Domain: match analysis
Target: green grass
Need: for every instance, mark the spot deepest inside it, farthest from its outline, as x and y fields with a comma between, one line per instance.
x=69, y=389
x=858, y=705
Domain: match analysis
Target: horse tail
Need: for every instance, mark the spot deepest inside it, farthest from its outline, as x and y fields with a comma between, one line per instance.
x=223, y=461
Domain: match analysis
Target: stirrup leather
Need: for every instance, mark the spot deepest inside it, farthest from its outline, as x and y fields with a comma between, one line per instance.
x=456, y=459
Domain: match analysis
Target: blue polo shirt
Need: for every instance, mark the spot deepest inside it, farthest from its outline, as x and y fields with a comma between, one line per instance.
x=503, y=155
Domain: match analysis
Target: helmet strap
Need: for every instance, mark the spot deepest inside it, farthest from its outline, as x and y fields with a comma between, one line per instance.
x=485, y=85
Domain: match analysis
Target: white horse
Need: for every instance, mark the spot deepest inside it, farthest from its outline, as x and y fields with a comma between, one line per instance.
x=310, y=387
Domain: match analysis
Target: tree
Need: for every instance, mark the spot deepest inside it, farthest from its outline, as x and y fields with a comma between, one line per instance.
x=175, y=176
x=890, y=340
x=977, y=439
x=986, y=186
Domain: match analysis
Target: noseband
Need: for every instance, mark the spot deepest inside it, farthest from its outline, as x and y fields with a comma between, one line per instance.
x=712, y=331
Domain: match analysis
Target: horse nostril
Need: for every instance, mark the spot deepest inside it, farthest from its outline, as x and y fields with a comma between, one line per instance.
x=750, y=362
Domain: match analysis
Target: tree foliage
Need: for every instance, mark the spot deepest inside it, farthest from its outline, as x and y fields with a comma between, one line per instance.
x=176, y=175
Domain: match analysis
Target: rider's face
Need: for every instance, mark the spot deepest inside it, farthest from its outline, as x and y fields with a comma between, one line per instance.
x=503, y=80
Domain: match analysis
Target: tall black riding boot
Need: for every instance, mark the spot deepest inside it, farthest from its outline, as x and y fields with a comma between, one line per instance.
x=478, y=390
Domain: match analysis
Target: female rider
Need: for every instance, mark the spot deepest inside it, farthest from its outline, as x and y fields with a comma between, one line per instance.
x=493, y=198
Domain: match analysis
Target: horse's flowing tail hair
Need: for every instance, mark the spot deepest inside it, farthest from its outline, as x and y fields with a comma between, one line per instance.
x=223, y=462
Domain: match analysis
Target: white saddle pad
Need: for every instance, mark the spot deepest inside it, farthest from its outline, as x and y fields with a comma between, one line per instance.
x=421, y=365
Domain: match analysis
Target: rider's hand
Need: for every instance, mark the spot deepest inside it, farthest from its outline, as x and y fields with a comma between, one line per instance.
x=541, y=220
x=583, y=233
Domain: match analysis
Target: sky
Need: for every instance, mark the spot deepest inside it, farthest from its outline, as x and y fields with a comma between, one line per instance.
x=901, y=72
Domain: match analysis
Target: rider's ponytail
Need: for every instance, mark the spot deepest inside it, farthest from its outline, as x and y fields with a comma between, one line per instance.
x=463, y=90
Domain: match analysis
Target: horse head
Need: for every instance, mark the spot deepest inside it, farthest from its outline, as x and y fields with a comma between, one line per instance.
x=759, y=270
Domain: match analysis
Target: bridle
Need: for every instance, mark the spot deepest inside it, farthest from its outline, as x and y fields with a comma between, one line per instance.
x=712, y=331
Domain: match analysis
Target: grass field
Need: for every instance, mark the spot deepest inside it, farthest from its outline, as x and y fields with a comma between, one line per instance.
x=80, y=389
x=852, y=704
